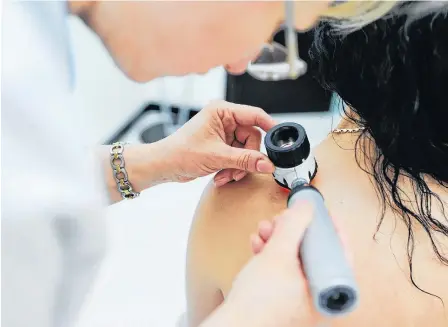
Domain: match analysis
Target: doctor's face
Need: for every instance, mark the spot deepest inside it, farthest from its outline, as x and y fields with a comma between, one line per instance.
x=171, y=38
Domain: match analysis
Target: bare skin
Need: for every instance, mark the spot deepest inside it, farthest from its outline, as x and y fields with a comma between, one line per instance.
x=226, y=217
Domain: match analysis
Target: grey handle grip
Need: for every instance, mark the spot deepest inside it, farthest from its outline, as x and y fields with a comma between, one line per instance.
x=330, y=277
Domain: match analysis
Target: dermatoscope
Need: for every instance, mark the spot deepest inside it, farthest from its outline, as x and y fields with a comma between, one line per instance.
x=330, y=277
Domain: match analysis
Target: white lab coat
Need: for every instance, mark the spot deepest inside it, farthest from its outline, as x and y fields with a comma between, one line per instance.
x=53, y=235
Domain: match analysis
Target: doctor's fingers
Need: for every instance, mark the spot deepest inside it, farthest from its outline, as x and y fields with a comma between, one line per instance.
x=245, y=137
x=230, y=174
x=242, y=115
x=262, y=235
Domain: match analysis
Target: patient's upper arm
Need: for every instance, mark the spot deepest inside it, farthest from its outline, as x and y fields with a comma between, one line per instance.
x=219, y=239
x=203, y=294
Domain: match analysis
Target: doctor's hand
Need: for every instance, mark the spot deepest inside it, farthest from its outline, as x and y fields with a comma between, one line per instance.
x=221, y=137
x=271, y=290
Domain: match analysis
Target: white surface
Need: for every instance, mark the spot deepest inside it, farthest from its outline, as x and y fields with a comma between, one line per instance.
x=51, y=234
x=141, y=282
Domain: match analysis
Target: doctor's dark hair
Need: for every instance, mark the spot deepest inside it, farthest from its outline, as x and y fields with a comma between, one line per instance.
x=393, y=74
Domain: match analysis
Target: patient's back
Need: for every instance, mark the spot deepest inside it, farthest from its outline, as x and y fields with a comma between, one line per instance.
x=227, y=216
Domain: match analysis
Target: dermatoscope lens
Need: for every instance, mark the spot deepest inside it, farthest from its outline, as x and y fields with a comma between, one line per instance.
x=285, y=137
x=287, y=145
x=289, y=150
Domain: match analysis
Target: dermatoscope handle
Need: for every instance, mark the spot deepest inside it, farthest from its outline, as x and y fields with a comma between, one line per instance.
x=330, y=277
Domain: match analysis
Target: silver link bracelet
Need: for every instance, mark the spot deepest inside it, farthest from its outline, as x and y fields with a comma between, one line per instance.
x=120, y=173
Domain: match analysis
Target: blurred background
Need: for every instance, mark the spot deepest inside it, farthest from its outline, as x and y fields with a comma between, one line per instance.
x=141, y=282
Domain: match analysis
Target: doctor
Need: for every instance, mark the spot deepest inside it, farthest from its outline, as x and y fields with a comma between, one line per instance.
x=54, y=186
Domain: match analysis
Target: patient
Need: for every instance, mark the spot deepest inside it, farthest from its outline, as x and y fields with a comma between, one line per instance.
x=386, y=184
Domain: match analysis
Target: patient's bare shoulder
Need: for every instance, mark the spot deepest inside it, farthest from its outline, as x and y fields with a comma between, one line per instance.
x=225, y=218
x=247, y=197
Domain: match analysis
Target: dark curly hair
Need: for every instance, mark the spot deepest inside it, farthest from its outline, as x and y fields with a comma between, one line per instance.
x=393, y=74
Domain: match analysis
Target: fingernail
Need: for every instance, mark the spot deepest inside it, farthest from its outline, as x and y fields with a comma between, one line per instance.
x=239, y=175
x=264, y=166
x=221, y=181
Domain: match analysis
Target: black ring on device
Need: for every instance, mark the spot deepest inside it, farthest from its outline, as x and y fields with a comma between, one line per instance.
x=293, y=155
